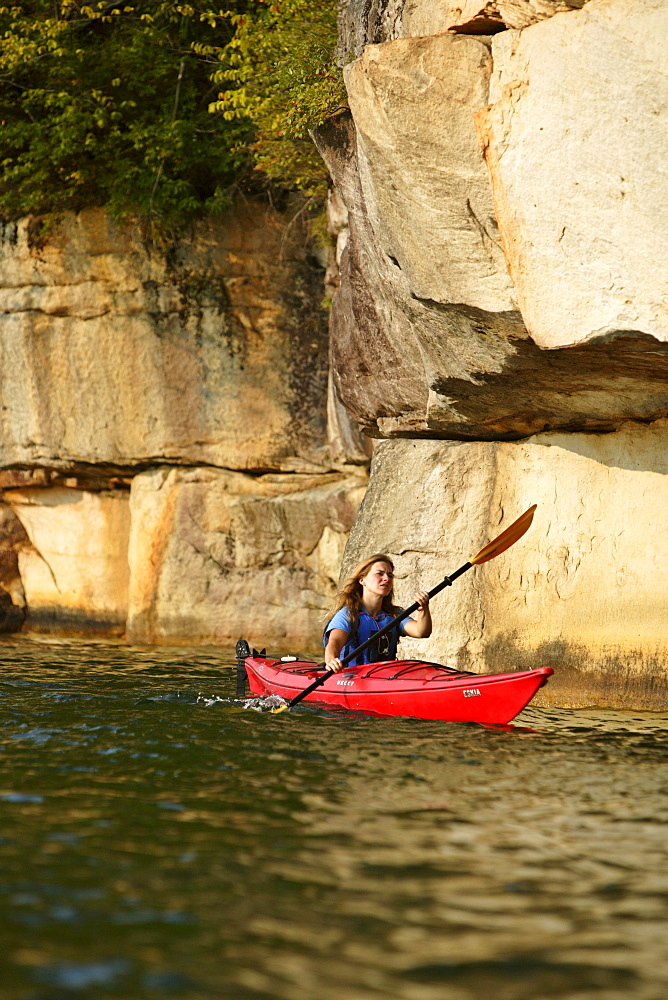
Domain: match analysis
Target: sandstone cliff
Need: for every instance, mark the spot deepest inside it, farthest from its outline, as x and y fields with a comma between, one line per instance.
x=502, y=297
x=167, y=466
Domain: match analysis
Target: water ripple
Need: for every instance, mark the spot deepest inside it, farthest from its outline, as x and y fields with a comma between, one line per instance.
x=158, y=838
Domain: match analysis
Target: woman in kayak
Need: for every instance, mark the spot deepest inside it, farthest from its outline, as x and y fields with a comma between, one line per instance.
x=363, y=606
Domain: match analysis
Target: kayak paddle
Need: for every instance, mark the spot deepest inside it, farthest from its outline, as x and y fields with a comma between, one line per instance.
x=492, y=549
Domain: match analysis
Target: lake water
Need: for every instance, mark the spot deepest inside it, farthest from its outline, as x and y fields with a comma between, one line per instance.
x=158, y=840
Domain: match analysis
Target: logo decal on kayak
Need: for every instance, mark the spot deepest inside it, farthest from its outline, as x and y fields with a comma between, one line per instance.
x=471, y=692
x=345, y=680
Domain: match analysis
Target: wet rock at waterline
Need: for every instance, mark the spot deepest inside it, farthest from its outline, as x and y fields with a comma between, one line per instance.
x=118, y=355
x=583, y=591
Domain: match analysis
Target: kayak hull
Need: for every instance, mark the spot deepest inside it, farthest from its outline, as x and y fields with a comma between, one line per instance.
x=410, y=688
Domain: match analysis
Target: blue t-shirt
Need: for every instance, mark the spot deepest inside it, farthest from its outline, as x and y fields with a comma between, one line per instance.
x=368, y=624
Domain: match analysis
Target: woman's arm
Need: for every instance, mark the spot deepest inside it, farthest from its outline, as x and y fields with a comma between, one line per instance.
x=335, y=643
x=420, y=626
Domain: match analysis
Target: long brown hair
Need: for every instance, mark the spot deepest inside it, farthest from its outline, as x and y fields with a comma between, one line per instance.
x=350, y=594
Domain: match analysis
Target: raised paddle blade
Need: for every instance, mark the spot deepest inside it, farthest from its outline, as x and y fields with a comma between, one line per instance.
x=506, y=538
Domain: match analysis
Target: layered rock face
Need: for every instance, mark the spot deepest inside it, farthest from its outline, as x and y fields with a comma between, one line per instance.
x=164, y=439
x=502, y=298
x=115, y=355
x=507, y=293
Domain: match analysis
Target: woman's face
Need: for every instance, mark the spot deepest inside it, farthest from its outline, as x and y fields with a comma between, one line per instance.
x=379, y=580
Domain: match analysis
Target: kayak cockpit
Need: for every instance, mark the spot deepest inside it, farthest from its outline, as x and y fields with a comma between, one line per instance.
x=385, y=670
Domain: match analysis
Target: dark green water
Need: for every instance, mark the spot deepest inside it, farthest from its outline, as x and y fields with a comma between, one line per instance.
x=159, y=840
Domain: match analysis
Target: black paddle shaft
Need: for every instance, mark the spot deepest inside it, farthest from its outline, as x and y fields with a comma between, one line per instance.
x=445, y=582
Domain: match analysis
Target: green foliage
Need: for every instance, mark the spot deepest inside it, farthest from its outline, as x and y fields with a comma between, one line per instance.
x=110, y=103
x=281, y=75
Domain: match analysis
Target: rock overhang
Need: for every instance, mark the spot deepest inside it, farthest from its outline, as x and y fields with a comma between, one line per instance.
x=418, y=347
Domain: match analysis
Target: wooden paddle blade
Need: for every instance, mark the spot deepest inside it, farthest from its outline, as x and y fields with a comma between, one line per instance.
x=506, y=538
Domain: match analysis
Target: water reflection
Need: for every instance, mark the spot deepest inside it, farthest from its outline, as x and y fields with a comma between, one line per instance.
x=158, y=839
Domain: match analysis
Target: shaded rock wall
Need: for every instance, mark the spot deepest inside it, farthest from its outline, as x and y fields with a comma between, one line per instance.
x=168, y=470
x=13, y=541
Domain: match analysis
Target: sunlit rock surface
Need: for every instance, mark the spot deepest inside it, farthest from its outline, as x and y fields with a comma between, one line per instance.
x=425, y=187
x=186, y=555
x=584, y=591
x=428, y=342
x=117, y=355
x=217, y=555
x=73, y=560
x=480, y=16
x=576, y=145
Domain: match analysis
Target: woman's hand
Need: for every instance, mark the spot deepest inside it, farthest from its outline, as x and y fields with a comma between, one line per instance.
x=422, y=599
x=420, y=626
x=337, y=640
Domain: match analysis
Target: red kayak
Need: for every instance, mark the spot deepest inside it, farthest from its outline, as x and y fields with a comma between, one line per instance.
x=412, y=688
